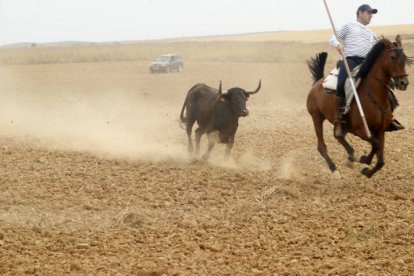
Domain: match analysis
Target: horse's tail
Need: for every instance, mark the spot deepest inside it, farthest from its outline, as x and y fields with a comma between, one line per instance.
x=317, y=65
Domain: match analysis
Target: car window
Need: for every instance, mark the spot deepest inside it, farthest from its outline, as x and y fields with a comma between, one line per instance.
x=163, y=58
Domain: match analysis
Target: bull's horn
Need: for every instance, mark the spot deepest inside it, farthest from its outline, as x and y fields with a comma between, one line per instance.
x=257, y=89
x=220, y=91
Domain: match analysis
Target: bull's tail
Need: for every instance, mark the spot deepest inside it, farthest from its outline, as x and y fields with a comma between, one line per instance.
x=317, y=65
x=183, y=119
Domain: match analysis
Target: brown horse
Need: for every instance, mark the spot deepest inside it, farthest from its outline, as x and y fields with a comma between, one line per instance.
x=385, y=61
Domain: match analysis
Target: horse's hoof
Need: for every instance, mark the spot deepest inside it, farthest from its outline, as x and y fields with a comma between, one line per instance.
x=366, y=172
x=352, y=158
x=336, y=175
x=364, y=160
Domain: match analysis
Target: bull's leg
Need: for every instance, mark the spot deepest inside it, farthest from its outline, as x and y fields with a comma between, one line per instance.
x=190, y=141
x=212, y=137
x=229, y=146
x=198, y=133
x=380, y=158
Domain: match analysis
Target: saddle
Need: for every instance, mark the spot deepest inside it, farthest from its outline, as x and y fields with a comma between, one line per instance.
x=330, y=83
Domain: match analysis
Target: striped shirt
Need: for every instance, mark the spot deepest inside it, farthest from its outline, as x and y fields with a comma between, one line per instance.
x=357, y=39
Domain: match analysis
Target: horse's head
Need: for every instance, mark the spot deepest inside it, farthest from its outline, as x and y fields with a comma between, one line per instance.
x=395, y=61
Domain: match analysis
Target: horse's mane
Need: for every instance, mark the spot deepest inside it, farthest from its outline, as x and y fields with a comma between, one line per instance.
x=370, y=59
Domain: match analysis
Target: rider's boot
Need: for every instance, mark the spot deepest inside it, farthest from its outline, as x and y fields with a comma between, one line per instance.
x=395, y=125
x=339, y=120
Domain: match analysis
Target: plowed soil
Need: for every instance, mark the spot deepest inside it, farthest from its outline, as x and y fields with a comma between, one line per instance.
x=95, y=179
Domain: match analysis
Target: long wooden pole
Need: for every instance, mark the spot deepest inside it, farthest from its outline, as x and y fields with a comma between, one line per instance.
x=348, y=71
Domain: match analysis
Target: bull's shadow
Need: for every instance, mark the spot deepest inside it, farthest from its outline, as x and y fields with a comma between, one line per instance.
x=217, y=114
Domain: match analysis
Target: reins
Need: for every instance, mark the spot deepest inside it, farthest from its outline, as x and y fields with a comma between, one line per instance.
x=374, y=100
x=376, y=103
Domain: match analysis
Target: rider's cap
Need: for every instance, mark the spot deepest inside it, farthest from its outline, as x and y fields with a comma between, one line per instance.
x=366, y=7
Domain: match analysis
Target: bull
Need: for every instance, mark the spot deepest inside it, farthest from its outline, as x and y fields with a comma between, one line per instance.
x=217, y=114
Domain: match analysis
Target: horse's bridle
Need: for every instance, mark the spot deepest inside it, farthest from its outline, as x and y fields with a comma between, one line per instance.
x=402, y=58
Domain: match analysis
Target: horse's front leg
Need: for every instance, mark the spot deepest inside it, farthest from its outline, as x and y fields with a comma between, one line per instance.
x=349, y=149
x=375, y=145
x=380, y=158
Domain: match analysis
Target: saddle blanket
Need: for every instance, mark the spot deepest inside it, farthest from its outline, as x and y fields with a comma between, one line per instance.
x=331, y=81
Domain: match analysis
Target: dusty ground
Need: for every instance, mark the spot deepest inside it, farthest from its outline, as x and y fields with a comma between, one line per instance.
x=95, y=179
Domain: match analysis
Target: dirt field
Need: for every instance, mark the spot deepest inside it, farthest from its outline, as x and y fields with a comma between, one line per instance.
x=95, y=179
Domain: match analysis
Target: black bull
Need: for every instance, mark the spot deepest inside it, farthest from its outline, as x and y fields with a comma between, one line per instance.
x=216, y=113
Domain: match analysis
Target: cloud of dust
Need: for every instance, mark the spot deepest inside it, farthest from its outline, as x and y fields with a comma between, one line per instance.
x=112, y=125
x=246, y=161
x=288, y=167
x=249, y=161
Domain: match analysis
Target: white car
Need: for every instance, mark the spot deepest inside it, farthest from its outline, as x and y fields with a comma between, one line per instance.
x=167, y=63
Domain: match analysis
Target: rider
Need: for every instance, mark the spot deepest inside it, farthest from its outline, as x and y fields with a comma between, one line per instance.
x=357, y=40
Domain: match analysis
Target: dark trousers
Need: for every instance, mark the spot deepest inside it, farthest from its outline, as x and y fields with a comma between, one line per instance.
x=342, y=75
